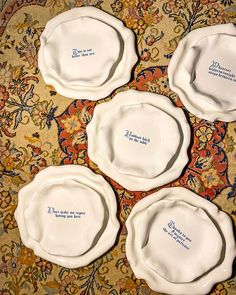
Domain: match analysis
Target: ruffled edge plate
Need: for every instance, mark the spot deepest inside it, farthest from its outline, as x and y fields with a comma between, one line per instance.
x=122, y=72
x=135, y=97
x=204, y=243
x=203, y=285
x=178, y=78
x=85, y=176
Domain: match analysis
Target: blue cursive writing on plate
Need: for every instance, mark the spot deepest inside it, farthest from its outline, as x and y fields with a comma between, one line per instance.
x=136, y=138
x=82, y=52
x=216, y=70
x=76, y=52
x=64, y=213
x=177, y=235
x=216, y=64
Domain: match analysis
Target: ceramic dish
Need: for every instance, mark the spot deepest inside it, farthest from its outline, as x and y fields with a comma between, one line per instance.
x=139, y=139
x=97, y=55
x=202, y=72
x=170, y=267
x=179, y=243
x=67, y=215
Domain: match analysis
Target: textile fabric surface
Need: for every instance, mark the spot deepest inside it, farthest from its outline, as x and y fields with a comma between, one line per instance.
x=39, y=128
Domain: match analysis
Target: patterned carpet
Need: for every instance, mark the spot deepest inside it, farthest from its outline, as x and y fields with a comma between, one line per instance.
x=39, y=128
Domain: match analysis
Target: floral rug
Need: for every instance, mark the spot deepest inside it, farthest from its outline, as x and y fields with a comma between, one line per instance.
x=39, y=128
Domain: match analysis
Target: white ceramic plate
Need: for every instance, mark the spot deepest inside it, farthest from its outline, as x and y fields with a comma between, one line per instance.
x=179, y=242
x=59, y=217
x=202, y=72
x=186, y=233
x=139, y=139
x=86, y=53
x=67, y=215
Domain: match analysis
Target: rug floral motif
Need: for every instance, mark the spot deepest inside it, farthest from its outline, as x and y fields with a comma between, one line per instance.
x=39, y=128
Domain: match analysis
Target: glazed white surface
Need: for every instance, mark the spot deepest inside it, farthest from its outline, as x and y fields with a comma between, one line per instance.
x=106, y=59
x=202, y=71
x=81, y=59
x=139, y=139
x=217, y=221
x=59, y=235
x=72, y=242
x=190, y=238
